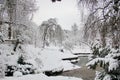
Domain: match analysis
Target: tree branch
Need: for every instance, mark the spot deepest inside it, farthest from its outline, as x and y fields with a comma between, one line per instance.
x=6, y=22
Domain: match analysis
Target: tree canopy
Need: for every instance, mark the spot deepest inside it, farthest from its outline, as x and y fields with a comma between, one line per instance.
x=103, y=20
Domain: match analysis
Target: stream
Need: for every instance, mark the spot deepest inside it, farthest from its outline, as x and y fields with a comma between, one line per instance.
x=82, y=61
x=83, y=72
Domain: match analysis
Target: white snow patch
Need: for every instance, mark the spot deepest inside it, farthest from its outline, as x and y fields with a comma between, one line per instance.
x=81, y=50
x=92, y=62
x=49, y=59
x=17, y=74
x=40, y=77
x=107, y=77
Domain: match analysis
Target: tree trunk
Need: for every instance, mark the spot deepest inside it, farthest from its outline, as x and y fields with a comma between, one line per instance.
x=44, y=36
x=103, y=35
x=11, y=13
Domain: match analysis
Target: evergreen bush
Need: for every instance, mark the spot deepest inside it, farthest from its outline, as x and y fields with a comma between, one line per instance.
x=108, y=59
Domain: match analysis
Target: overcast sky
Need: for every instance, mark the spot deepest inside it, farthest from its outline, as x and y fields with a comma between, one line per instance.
x=65, y=11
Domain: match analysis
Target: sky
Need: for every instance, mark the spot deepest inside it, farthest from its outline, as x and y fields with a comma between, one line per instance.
x=65, y=11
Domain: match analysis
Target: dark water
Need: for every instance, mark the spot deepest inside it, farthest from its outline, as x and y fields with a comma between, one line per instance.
x=83, y=72
x=82, y=61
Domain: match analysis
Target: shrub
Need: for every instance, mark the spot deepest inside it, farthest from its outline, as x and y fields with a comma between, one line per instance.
x=22, y=66
x=10, y=69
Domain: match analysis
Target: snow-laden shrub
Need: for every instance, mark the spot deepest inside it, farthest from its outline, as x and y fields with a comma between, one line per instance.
x=24, y=67
x=10, y=69
x=108, y=59
x=26, y=59
x=21, y=66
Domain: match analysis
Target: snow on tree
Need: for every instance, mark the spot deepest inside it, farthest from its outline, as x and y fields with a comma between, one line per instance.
x=49, y=31
x=73, y=37
x=15, y=23
x=108, y=59
x=15, y=14
x=103, y=25
x=103, y=20
x=75, y=29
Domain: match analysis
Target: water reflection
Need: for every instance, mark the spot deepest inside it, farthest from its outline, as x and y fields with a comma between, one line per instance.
x=82, y=61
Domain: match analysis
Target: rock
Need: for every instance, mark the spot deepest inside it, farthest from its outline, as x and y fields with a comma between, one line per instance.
x=52, y=73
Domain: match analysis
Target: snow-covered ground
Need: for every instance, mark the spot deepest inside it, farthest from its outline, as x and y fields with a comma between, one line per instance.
x=48, y=59
x=81, y=50
x=52, y=59
x=40, y=77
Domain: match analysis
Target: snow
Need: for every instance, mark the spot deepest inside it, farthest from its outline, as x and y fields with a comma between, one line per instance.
x=2, y=67
x=52, y=59
x=17, y=74
x=107, y=77
x=97, y=75
x=5, y=52
x=108, y=59
x=113, y=63
x=40, y=77
x=48, y=59
x=11, y=60
x=80, y=49
x=68, y=66
x=64, y=78
x=94, y=61
x=67, y=55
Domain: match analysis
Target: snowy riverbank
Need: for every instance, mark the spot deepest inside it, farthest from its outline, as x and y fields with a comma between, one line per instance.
x=40, y=77
x=48, y=59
